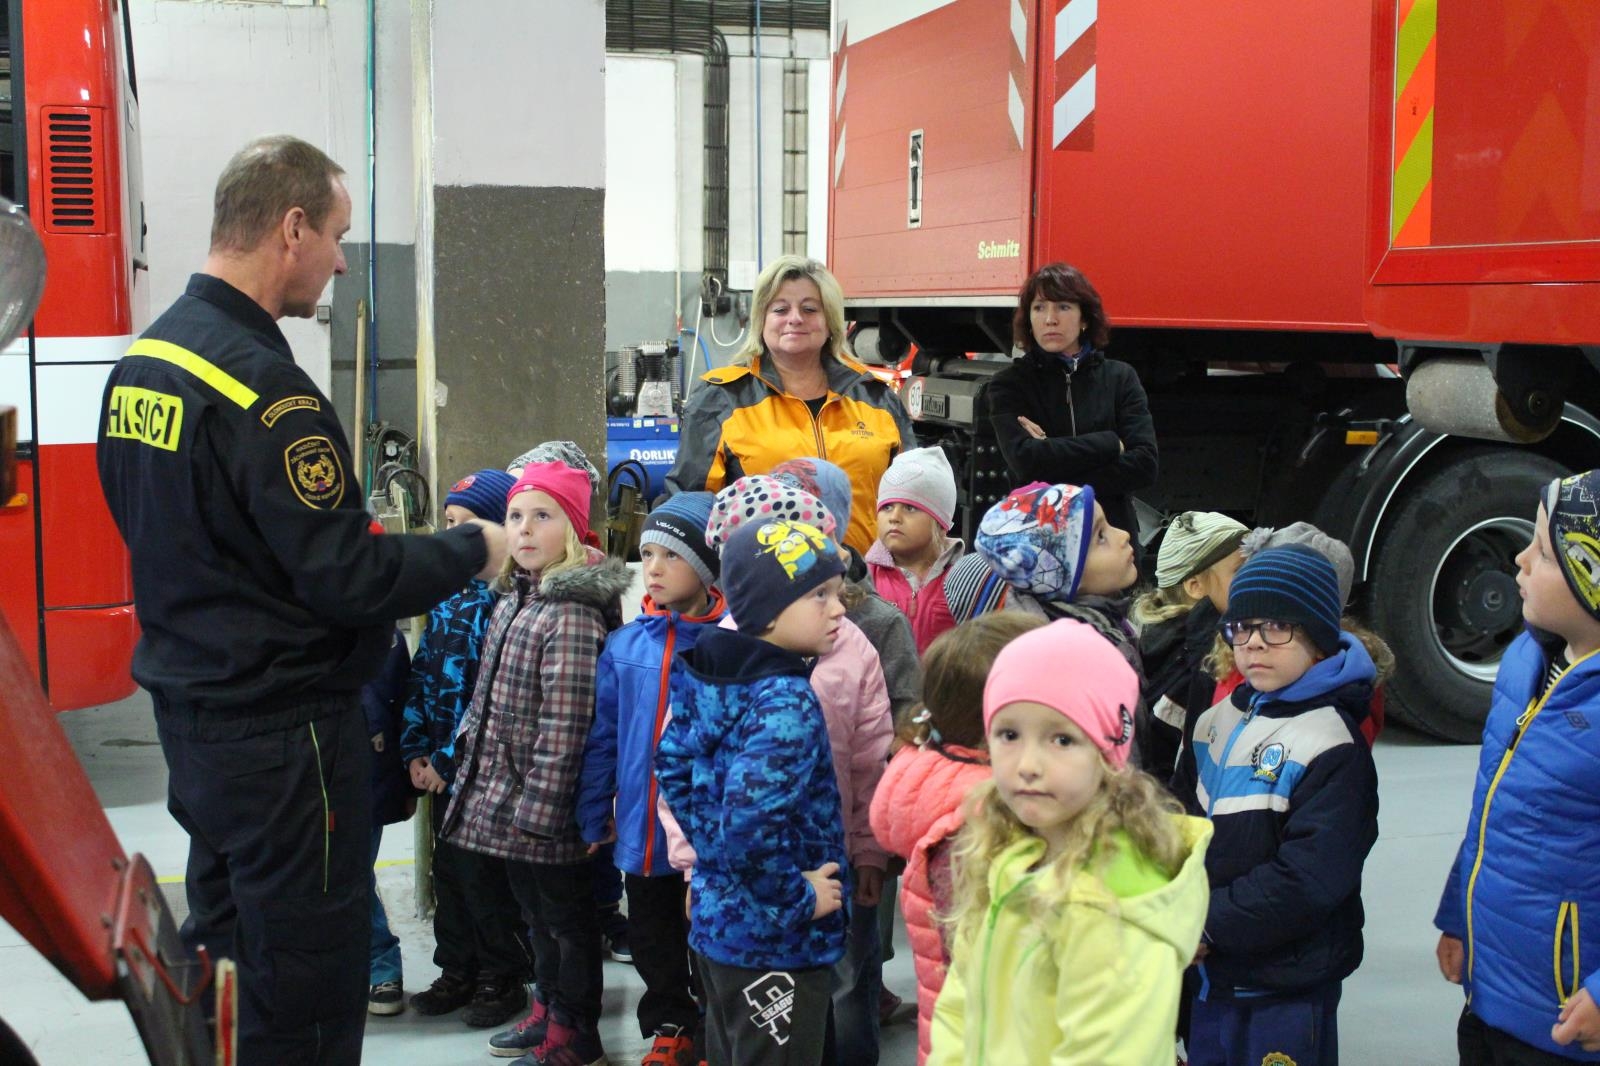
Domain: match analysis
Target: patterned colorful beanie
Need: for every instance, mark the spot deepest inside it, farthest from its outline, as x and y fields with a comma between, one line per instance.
x=1037, y=538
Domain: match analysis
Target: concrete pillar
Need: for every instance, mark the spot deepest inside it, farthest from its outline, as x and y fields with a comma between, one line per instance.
x=509, y=155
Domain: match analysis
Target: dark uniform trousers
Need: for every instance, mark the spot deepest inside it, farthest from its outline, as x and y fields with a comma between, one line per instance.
x=278, y=818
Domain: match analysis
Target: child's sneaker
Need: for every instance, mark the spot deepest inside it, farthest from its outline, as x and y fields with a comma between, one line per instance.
x=566, y=1045
x=448, y=992
x=672, y=1047
x=386, y=997
x=495, y=1001
x=525, y=1035
x=617, y=945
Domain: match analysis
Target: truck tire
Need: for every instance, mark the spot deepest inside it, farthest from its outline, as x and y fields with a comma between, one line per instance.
x=12, y=1049
x=1443, y=591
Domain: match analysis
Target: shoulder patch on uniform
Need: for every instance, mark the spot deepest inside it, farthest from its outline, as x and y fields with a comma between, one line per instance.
x=315, y=473
x=270, y=416
x=724, y=374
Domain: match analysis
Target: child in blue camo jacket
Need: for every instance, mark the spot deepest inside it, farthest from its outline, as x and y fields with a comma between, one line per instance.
x=746, y=768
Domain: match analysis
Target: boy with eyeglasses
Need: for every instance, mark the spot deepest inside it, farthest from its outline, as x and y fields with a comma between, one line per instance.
x=1281, y=769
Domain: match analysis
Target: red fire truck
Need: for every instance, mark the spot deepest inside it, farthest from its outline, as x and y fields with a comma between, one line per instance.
x=1294, y=214
x=69, y=152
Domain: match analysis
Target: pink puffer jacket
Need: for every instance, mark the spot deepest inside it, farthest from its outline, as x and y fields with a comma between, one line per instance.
x=916, y=808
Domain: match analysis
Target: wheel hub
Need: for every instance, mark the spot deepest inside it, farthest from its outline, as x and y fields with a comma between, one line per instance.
x=1491, y=602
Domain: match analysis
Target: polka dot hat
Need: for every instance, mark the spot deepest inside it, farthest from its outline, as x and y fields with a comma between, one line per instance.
x=761, y=497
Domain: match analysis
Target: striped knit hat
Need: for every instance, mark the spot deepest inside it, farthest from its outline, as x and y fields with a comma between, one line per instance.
x=1289, y=584
x=1195, y=542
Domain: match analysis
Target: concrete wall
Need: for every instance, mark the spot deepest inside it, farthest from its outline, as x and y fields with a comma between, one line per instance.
x=511, y=179
x=214, y=75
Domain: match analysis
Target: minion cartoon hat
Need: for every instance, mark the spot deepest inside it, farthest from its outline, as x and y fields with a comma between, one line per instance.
x=767, y=565
x=1572, y=505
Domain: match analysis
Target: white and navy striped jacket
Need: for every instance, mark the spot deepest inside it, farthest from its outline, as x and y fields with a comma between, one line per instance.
x=1289, y=783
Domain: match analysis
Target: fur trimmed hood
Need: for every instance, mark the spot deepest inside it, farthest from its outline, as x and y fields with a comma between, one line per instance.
x=599, y=584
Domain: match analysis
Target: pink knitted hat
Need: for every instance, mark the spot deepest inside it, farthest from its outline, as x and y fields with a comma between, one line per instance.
x=1070, y=668
x=568, y=487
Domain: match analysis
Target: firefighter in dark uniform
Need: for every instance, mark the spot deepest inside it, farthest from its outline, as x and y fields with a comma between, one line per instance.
x=266, y=602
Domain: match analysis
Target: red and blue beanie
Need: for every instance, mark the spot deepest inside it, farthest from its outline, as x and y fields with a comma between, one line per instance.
x=1037, y=538
x=768, y=565
x=1572, y=507
x=483, y=493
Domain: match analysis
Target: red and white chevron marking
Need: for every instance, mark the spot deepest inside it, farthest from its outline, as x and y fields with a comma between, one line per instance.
x=1019, y=69
x=1072, y=122
x=841, y=69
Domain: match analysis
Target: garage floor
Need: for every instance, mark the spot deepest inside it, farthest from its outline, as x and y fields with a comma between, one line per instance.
x=1396, y=1009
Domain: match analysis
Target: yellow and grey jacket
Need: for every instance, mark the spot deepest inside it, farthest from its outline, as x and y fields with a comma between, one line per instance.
x=1095, y=984
x=744, y=423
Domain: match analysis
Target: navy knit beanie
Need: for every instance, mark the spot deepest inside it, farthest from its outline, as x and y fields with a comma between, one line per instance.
x=679, y=525
x=768, y=565
x=483, y=493
x=1289, y=584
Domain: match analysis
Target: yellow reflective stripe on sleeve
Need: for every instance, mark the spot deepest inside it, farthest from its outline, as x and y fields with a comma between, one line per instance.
x=204, y=369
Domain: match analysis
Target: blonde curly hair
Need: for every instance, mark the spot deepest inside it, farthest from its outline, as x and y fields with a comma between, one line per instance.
x=1128, y=800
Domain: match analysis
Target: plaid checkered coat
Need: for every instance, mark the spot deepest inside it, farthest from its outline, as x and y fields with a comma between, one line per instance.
x=520, y=748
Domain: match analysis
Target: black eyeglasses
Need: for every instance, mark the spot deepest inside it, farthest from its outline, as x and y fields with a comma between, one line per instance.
x=1272, y=632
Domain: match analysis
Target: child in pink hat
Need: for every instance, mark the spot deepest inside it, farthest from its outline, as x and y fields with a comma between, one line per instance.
x=1066, y=828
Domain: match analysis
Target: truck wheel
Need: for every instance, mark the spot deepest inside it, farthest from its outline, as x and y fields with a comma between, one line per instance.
x=13, y=1050
x=1444, y=592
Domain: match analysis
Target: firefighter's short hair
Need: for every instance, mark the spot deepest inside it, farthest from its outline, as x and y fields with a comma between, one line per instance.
x=267, y=179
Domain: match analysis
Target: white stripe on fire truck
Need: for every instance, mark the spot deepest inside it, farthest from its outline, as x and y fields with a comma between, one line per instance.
x=69, y=401
x=1075, y=105
x=1019, y=34
x=1073, y=21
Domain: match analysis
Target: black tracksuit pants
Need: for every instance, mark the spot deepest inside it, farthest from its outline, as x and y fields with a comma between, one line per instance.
x=478, y=930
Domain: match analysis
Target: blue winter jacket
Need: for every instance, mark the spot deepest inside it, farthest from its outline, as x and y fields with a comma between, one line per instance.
x=1529, y=867
x=747, y=771
x=443, y=673
x=1290, y=787
x=632, y=691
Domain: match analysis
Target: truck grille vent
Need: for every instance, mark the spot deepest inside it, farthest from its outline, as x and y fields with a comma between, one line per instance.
x=74, y=171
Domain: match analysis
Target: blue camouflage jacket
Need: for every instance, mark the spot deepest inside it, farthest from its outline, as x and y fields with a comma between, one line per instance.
x=443, y=673
x=747, y=770
x=632, y=693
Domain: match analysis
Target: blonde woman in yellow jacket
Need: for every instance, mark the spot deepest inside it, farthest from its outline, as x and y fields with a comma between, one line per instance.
x=1080, y=889
x=794, y=391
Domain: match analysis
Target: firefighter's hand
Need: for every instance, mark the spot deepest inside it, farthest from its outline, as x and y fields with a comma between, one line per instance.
x=495, y=548
x=1031, y=426
x=869, y=886
x=609, y=838
x=1580, y=1021
x=1450, y=954
x=825, y=883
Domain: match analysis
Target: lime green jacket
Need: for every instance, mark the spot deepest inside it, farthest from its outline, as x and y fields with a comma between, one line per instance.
x=1095, y=985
